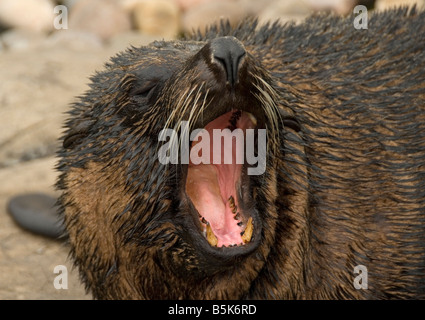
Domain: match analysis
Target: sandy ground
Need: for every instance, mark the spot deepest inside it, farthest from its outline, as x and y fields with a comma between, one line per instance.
x=27, y=261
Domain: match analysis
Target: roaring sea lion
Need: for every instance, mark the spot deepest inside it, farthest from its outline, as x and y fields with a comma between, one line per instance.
x=344, y=180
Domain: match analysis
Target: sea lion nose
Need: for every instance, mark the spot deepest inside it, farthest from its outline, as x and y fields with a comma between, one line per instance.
x=228, y=52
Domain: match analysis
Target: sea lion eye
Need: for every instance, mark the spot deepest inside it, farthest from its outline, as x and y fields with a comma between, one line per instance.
x=76, y=134
x=147, y=80
x=145, y=91
x=289, y=120
x=292, y=123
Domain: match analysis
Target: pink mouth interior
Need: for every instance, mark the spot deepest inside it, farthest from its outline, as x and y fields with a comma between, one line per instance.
x=209, y=186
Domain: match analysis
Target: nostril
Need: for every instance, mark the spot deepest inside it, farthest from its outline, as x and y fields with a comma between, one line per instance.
x=228, y=53
x=221, y=61
x=228, y=67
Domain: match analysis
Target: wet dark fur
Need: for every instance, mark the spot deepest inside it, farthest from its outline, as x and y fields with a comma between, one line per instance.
x=346, y=189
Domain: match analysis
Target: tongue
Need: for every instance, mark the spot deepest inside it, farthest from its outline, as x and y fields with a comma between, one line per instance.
x=209, y=186
x=203, y=187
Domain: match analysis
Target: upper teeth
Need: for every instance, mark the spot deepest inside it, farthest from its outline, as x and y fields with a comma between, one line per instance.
x=212, y=239
x=246, y=237
x=232, y=204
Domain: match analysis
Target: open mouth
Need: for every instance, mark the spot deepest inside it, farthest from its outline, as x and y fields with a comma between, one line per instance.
x=217, y=185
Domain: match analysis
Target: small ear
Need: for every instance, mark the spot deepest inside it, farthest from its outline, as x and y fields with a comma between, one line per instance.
x=76, y=134
x=291, y=123
x=72, y=139
x=289, y=120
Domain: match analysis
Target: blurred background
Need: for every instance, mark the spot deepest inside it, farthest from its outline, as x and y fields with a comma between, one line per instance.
x=46, y=58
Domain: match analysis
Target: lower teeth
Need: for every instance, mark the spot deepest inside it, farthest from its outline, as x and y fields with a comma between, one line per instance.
x=246, y=234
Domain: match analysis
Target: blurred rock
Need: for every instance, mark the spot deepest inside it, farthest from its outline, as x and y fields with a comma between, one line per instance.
x=38, y=140
x=129, y=5
x=130, y=38
x=186, y=4
x=68, y=3
x=206, y=13
x=298, y=10
x=35, y=15
x=76, y=40
x=387, y=4
x=21, y=39
x=157, y=17
x=254, y=7
x=284, y=11
x=36, y=92
x=338, y=6
x=105, y=18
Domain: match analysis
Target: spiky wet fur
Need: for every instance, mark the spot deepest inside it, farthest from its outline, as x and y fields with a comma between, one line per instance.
x=347, y=189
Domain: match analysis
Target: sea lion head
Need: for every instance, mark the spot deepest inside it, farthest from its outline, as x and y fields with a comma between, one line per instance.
x=146, y=217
